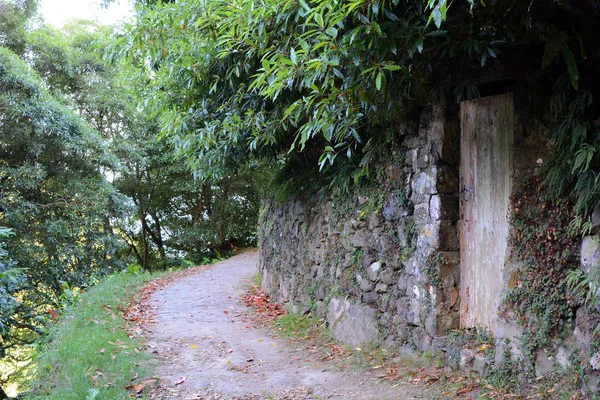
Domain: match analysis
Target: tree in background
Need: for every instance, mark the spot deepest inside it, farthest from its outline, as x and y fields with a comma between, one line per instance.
x=16, y=17
x=173, y=213
x=54, y=197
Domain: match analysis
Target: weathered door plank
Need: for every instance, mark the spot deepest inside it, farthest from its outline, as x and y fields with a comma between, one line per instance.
x=487, y=126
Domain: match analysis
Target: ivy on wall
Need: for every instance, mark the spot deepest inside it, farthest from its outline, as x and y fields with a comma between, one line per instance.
x=542, y=242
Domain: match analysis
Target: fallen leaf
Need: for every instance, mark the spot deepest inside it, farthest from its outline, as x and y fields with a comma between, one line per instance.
x=250, y=359
x=180, y=380
x=465, y=390
x=136, y=388
x=483, y=347
x=101, y=351
x=192, y=346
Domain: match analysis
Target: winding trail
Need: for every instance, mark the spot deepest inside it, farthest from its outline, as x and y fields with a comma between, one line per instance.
x=208, y=348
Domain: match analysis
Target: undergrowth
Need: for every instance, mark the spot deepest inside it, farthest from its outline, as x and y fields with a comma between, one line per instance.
x=88, y=354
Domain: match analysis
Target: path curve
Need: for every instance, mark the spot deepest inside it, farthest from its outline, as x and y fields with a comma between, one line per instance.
x=202, y=337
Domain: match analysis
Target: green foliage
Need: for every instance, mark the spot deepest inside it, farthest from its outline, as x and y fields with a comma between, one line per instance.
x=328, y=78
x=296, y=326
x=15, y=16
x=480, y=339
x=432, y=268
x=331, y=79
x=55, y=198
x=505, y=377
x=88, y=353
x=167, y=211
x=542, y=242
x=10, y=283
x=576, y=161
x=584, y=287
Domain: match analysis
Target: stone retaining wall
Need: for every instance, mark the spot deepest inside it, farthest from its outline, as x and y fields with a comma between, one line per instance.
x=382, y=264
x=386, y=254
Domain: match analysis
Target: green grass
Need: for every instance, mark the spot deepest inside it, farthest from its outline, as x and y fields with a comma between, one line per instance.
x=257, y=280
x=88, y=354
x=294, y=326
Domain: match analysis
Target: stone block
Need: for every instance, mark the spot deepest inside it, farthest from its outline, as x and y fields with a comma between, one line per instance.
x=592, y=383
x=584, y=327
x=402, y=232
x=373, y=271
x=411, y=266
x=543, y=363
x=385, y=319
x=381, y=287
x=424, y=158
x=423, y=185
x=421, y=214
x=450, y=143
x=421, y=339
x=465, y=362
x=412, y=156
x=321, y=293
x=482, y=364
x=435, y=208
x=413, y=142
x=562, y=357
x=321, y=310
x=447, y=179
x=362, y=239
x=403, y=332
x=375, y=220
x=590, y=252
x=453, y=358
x=353, y=324
x=439, y=346
x=369, y=258
x=447, y=323
x=393, y=209
x=507, y=330
x=370, y=298
x=429, y=236
x=448, y=236
x=386, y=243
x=364, y=284
x=386, y=276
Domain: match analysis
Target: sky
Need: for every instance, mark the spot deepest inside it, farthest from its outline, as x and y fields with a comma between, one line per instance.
x=57, y=12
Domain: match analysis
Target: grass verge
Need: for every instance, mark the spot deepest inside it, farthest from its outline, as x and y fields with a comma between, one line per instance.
x=88, y=354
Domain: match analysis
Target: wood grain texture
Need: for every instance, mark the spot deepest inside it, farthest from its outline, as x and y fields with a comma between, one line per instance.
x=487, y=127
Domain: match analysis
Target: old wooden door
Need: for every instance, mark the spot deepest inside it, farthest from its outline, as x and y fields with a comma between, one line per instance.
x=487, y=126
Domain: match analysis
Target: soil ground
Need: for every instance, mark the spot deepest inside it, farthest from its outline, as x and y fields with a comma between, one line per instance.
x=208, y=347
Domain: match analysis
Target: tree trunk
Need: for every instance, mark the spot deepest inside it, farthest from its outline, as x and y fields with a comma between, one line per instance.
x=3, y=395
x=157, y=237
x=142, y=217
x=197, y=212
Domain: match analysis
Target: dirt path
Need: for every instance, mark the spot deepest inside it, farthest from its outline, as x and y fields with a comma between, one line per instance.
x=203, y=337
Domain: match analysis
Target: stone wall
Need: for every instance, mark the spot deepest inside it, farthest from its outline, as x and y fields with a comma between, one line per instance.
x=380, y=263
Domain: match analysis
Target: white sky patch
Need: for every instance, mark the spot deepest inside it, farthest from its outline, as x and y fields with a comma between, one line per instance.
x=58, y=12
